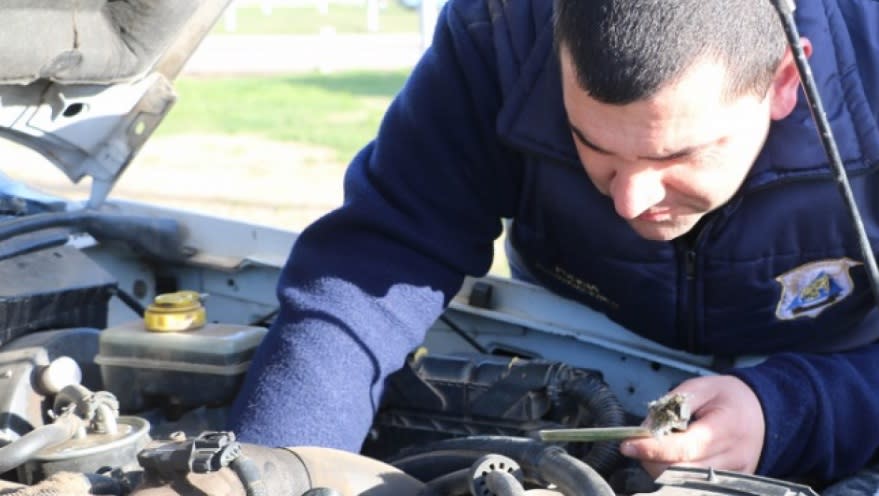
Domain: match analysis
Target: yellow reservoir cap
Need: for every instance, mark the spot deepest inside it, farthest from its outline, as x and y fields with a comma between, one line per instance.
x=174, y=312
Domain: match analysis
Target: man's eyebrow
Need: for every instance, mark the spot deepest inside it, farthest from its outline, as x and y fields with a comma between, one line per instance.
x=670, y=156
x=586, y=142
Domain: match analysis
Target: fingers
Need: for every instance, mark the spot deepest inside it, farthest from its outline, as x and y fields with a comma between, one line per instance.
x=693, y=444
x=697, y=443
x=699, y=392
x=697, y=447
x=727, y=433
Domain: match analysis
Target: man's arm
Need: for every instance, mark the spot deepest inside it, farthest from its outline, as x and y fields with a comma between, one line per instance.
x=820, y=411
x=422, y=207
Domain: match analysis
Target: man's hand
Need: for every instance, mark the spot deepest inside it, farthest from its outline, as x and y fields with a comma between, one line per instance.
x=726, y=434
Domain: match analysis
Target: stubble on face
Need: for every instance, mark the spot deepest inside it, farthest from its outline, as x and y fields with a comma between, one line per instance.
x=694, y=144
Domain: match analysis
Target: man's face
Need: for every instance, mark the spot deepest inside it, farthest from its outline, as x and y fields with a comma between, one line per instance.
x=670, y=159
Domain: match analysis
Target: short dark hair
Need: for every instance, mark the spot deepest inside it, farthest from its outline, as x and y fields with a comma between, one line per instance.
x=627, y=50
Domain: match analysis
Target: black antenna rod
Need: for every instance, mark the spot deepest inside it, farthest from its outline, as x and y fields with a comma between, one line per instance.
x=785, y=9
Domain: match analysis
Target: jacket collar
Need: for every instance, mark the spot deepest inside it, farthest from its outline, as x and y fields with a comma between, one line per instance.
x=533, y=118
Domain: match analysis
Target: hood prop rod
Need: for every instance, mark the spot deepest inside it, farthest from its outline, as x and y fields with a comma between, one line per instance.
x=785, y=9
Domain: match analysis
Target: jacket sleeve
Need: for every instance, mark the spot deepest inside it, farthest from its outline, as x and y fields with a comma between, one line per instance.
x=362, y=285
x=820, y=411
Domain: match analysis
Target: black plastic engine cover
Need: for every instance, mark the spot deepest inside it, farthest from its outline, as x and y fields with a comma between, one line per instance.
x=52, y=288
x=438, y=397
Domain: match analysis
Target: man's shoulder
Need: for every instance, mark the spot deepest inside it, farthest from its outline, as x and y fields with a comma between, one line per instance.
x=517, y=11
x=516, y=24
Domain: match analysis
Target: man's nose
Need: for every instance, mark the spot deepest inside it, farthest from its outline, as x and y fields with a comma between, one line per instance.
x=636, y=190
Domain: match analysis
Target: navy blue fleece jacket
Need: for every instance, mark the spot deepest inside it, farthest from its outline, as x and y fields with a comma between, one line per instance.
x=479, y=133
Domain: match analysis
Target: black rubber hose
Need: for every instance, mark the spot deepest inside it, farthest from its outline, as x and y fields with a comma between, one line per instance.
x=571, y=475
x=158, y=237
x=430, y=465
x=30, y=243
x=249, y=475
x=503, y=484
x=466, y=446
x=24, y=448
x=455, y=483
x=545, y=464
x=595, y=396
x=38, y=222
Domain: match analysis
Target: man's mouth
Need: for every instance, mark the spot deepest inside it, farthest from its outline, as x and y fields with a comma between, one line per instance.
x=655, y=215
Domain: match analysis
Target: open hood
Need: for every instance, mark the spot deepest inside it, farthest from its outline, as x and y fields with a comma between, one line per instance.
x=85, y=82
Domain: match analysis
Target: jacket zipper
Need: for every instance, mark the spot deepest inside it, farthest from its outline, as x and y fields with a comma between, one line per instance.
x=690, y=256
x=689, y=247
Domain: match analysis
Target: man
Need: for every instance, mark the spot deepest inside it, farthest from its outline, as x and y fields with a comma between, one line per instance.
x=705, y=188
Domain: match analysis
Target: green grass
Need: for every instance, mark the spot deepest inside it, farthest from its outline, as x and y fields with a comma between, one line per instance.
x=393, y=18
x=340, y=111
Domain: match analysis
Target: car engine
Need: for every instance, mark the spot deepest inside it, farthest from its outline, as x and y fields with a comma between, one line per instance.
x=127, y=331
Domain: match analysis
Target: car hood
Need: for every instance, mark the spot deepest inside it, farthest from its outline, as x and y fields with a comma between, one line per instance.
x=85, y=82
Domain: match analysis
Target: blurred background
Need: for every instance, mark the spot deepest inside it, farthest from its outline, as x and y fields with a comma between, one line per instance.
x=270, y=109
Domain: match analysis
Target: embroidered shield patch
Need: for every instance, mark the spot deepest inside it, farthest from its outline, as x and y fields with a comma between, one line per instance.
x=809, y=289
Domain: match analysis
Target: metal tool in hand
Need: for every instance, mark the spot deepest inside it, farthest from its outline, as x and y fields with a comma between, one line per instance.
x=593, y=434
x=667, y=414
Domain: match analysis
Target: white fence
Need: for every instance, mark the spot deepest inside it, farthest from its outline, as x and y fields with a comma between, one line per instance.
x=428, y=11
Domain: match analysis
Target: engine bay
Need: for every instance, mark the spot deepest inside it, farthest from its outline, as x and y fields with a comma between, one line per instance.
x=92, y=402
x=95, y=403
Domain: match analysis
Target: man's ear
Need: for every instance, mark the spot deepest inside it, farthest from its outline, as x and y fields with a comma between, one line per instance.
x=783, y=92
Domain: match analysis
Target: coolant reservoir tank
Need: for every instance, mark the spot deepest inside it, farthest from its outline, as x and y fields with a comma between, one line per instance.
x=175, y=357
x=170, y=312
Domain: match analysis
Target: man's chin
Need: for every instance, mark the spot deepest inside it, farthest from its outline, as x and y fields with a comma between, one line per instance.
x=661, y=231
